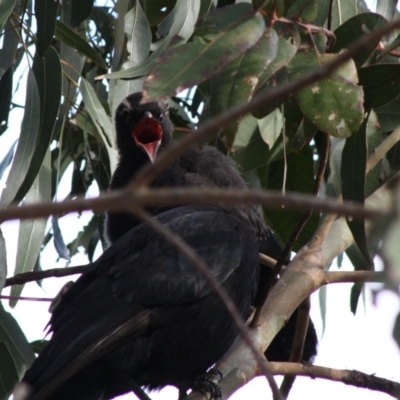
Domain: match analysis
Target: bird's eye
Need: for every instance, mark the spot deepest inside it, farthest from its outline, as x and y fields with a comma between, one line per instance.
x=160, y=118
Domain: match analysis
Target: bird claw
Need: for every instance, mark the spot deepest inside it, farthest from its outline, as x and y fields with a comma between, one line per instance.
x=208, y=384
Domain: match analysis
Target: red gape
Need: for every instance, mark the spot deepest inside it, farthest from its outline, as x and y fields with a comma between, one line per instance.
x=147, y=135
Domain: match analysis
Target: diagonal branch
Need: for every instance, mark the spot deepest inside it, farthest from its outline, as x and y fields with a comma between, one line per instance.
x=177, y=242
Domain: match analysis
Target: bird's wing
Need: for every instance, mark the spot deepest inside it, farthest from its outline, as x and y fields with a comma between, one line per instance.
x=115, y=300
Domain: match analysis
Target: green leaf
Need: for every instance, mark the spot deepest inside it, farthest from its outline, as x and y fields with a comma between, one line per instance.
x=69, y=37
x=16, y=354
x=37, y=345
x=354, y=160
x=299, y=178
x=234, y=30
x=138, y=33
x=288, y=45
x=81, y=10
x=84, y=236
x=381, y=83
x=26, y=144
x=47, y=70
x=5, y=98
x=354, y=29
x=342, y=10
x=184, y=16
x=3, y=261
x=389, y=116
x=386, y=8
x=235, y=83
x=253, y=151
x=46, y=14
x=100, y=119
x=374, y=139
x=31, y=232
x=157, y=10
x=333, y=104
x=6, y=6
x=306, y=10
x=396, y=330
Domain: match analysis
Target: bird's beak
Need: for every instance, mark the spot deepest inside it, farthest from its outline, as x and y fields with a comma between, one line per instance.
x=147, y=134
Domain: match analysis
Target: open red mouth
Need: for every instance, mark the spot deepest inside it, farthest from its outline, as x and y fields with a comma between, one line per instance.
x=147, y=134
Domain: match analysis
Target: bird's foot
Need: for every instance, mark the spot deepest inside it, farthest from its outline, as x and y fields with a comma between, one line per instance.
x=207, y=384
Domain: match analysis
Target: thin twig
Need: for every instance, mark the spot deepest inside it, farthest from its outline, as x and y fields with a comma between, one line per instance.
x=25, y=298
x=296, y=352
x=21, y=279
x=230, y=307
x=353, y=378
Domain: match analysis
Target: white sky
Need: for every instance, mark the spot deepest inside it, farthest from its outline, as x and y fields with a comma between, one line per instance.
x=362, y=342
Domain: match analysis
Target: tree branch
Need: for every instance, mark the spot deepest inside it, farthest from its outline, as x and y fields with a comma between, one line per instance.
x=127, y=199
x=177, y=242
x=353, y=378
x=21, y=279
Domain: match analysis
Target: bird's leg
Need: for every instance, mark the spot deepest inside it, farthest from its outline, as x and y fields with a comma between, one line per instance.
x=208, y=384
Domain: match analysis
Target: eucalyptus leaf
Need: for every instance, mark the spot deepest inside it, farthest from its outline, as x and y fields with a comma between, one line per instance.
x=31, y=232
x=16, y=354
x=27, y=142
x=333, y=104
x=234, y=30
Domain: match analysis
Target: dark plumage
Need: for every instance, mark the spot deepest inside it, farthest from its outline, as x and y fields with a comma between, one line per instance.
x=197, y=167
x=144, y=314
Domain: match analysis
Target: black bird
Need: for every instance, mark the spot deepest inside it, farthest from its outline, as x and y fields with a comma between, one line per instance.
x=143, y=131
x=144, y=315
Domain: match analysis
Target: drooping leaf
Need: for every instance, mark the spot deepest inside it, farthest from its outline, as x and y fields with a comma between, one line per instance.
x=65, y=34
x=27, y=142
x=381, y=84
x=84, y=236
x=389, y=116
x=9, y=46
x=138, y=33
x=6, y=161
x=353, y=179
x=6, y=6
x=184, y=16
x=235, y=83
x=157, y=10
x=47, y=70
x=234, y=30
x=59, y=243
x=386, y=8
x=100, y=119
x=299, y=178
x=355, y=28
x=31, y=232
x=342, y=10
x=3, y=261
x=306, y=10
x=333, y=104
x=37, y=345
x=81, y=10
x=374, y=139
x=16, y=353
x=5, y=98
x=46, y=14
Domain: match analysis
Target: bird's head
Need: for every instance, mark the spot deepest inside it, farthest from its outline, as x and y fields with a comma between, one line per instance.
x=146, y=127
